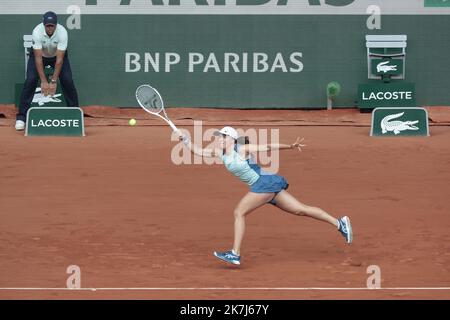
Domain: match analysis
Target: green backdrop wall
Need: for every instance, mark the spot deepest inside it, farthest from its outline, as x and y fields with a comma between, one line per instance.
x=332, y=49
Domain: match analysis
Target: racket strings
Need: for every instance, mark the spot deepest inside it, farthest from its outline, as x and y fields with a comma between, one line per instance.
x=149, y=99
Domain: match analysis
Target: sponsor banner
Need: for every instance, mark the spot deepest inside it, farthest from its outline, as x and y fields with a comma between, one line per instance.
x=55, y=121
x=230, y=61
x=383, y=67
x=393, y=94
x=213, y=62
x=399, y=122
x=272, y=7
x=437, y=3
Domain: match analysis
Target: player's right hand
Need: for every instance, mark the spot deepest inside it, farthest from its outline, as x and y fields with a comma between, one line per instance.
x=183, y=138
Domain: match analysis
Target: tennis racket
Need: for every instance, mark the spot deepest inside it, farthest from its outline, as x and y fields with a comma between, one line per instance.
x=150, y=100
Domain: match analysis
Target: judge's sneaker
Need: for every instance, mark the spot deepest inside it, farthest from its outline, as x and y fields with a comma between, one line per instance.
x=345, y=228
x=229, y=257
x=20, y=125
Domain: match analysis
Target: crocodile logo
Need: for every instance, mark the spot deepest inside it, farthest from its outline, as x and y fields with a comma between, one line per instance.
x=397, y=126
x=40, y=99
x=384, y=67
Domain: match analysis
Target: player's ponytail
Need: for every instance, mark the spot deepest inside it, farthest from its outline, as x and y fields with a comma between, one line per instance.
x=242, y=140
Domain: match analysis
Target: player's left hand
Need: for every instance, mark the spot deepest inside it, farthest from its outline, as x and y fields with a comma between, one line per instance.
x=298, y=144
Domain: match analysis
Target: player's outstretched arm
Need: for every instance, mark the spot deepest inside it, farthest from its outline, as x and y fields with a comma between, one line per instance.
x=275, y=146
x=210, y=153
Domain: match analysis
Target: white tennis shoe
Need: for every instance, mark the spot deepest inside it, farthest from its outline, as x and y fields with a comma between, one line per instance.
x=345, y=228
x=20, y=125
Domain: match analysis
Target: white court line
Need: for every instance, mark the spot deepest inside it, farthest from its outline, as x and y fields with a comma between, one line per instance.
x=228, y=288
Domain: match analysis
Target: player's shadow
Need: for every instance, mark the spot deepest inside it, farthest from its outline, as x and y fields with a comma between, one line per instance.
x=228, y=266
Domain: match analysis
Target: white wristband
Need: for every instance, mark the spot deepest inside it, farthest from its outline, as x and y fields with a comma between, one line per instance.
x=186, y=141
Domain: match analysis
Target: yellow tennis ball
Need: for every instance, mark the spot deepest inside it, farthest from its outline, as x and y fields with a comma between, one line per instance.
x=132, y=122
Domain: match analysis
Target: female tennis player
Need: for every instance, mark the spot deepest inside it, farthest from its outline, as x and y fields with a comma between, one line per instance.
x=264, y=187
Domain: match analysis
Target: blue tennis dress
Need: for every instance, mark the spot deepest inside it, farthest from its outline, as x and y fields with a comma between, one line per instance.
x=251, y=173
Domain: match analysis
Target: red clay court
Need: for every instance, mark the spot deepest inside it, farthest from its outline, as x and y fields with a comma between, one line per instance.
x=139, y=226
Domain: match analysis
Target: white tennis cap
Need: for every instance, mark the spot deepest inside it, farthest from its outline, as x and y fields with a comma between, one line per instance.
x=229, y=131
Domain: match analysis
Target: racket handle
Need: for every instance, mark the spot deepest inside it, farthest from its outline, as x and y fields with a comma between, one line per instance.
x=174, y=128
